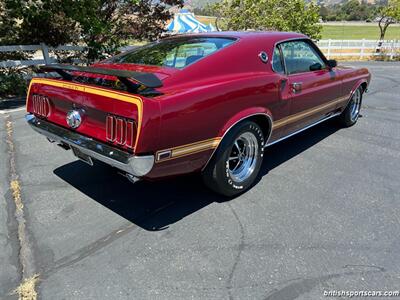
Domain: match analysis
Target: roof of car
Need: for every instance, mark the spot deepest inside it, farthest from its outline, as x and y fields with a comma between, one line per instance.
x=272, y=35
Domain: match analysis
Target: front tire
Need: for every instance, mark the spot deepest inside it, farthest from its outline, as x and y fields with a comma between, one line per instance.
x=351, y=113
x=237, y=161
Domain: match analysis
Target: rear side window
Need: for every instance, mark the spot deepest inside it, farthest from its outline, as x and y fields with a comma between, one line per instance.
x=299, y=56
x=277, y=61
x=175, y=53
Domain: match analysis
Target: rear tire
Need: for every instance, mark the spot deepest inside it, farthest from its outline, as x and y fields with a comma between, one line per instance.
x=237, y=161
x=351, y=113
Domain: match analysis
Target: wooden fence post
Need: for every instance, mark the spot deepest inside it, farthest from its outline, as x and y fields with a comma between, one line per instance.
x=45, y=51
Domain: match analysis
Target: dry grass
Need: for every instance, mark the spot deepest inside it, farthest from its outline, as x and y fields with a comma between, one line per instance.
x=355, y=51
x=9, y=127
x=26, y=290
x=16, y=191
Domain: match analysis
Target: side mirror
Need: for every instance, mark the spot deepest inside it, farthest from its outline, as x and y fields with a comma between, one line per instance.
x=332, y=63
x=316, y=67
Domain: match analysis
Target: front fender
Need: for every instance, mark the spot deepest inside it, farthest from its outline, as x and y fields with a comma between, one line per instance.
x=358, y=83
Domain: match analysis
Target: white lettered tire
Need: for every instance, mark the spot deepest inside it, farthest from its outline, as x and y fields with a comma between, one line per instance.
x=237, y=161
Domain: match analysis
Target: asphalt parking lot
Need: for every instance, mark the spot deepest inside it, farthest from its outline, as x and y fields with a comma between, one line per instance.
x=325, y=215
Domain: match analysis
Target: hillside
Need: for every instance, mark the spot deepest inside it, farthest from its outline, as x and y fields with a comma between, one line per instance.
x=198, y=3
x=202, y=3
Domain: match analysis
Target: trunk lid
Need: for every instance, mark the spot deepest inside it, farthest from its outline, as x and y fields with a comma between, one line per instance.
x=106, y=97
x=107, y=115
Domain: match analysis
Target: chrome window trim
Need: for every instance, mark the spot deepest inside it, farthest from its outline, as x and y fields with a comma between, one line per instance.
x=307, y=40
x=280, y=42
x=234, y=41
x=281, y=59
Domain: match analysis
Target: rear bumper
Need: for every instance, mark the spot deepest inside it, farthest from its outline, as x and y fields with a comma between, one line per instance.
x=135, y=165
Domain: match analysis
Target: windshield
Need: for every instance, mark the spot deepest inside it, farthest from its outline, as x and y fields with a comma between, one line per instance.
x=175, y=53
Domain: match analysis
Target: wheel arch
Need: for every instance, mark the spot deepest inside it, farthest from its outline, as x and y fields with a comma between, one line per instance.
x=364, y=85
x=361, y=83
x=260, y=116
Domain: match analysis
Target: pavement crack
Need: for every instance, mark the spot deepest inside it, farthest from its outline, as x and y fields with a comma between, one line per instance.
x=101, y=243
x=88, y=250
x=27, y=288
x=239, y=253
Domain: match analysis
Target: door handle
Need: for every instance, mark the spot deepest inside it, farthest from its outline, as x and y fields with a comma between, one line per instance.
x=296, y=87
x=283, y=91
x=282, y=84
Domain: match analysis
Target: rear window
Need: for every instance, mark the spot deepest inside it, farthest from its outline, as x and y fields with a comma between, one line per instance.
x=175, y=53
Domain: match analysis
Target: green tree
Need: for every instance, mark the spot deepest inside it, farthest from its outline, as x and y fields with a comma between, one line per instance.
x=206, y=10
x=108, y=24
x=350, y=10
x=389, y=14
x=103, y=25
x=323, y=12
x=33, y=22
x=289, y=15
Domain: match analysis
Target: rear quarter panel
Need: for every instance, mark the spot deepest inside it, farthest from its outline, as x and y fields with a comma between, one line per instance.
x=207, y=110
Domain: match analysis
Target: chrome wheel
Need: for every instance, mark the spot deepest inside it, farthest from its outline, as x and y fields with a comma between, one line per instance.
x=243, y=157
x=355, y=105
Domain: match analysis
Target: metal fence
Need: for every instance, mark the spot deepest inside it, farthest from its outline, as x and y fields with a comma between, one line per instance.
x=41, y=54
x=350, y=49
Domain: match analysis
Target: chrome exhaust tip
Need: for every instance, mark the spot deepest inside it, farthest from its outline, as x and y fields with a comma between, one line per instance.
x=64, y=146
x=131, y=178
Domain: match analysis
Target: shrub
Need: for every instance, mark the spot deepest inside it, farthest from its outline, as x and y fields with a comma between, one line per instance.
x=12, y=83
x=384, y=55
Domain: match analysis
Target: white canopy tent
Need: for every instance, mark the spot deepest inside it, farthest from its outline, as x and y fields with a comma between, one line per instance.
x=185, y=21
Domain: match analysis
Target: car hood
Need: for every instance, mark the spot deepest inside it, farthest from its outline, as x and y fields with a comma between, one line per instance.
x=342, y=67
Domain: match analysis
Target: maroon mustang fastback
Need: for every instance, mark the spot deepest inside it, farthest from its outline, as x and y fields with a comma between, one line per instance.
x=207, y=103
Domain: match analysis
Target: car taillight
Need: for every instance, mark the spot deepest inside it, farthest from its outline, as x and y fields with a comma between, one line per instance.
x=41, y=105
x=121, y=131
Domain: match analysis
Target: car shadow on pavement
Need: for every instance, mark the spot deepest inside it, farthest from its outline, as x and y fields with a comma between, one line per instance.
x=283, y=151
x=156, y=205
x=151, y=205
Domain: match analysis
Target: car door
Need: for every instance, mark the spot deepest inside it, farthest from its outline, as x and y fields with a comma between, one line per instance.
x=313, y=87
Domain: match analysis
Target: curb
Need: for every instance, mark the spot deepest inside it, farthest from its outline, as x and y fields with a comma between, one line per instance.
x=12, y=103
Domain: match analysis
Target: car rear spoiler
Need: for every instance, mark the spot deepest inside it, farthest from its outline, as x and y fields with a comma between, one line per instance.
x=147, y=79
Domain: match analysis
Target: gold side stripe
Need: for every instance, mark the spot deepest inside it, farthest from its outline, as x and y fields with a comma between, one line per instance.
x=213, y=143
x=189, y=149
x=195, y=144
x=205, y=146
x=94, y=91
x=306, y=113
